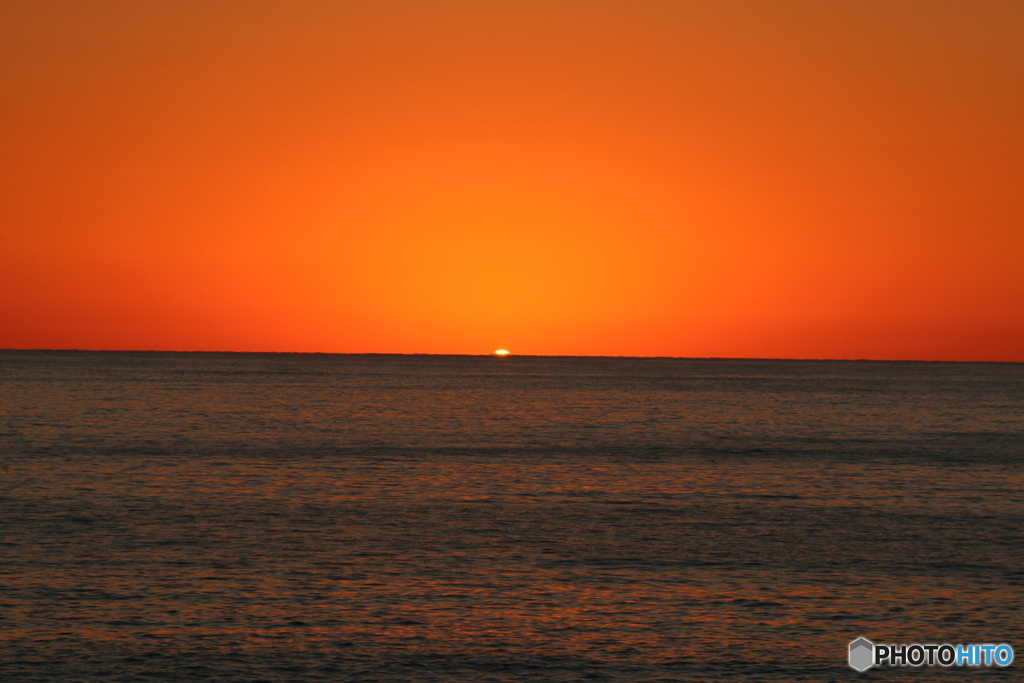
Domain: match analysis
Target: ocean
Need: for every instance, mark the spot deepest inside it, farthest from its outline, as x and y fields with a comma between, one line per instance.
x=308, y=517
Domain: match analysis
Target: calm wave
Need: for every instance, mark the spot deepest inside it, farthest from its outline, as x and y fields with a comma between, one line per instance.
x=283, y=517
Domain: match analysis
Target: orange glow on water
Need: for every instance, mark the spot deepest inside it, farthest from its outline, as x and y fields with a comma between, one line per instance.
x=647, y=178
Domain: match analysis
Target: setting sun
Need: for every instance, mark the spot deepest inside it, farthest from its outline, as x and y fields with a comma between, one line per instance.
x=501, y=352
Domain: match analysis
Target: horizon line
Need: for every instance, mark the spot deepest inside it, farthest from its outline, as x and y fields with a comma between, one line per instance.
x=510, y=355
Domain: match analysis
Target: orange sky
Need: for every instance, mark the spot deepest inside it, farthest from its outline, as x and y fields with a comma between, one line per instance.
x=743, y=179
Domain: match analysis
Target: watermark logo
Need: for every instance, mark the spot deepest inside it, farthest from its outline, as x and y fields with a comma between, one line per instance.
x=864, y=654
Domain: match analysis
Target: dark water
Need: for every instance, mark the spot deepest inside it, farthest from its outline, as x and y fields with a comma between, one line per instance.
x=248, y=517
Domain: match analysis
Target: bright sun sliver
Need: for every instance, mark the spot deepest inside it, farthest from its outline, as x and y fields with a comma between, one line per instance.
x=501, y=352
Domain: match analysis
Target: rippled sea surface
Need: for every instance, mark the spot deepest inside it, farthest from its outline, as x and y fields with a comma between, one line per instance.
x=278, y=517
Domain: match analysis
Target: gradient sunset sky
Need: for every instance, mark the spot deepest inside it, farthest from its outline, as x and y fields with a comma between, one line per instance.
x=788, y=179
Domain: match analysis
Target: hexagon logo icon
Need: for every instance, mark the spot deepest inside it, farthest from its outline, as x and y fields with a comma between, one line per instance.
x=862, y=654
